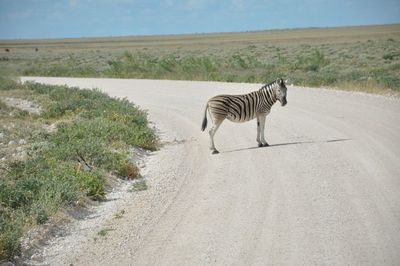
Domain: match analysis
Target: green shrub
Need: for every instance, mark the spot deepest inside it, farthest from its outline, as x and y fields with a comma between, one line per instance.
x=10, y=240
x=93, y=183
x=128, y=170
x=8, y=82
x=139, y=185
x=12, y=196
x=388, y=56
x=312, y=63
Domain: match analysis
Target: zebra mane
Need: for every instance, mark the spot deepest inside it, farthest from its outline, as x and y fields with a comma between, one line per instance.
x=270, y=85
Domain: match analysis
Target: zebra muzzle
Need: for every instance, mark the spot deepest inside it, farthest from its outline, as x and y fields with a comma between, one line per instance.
x=284, y=102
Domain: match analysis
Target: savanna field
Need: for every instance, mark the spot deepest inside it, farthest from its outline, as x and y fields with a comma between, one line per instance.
x=356, y=58
x=41, y=141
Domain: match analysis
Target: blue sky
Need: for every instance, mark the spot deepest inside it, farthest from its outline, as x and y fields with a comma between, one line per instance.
x=20, y=19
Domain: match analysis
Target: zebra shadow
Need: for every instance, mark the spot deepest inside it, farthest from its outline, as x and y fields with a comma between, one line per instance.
x=287, y=144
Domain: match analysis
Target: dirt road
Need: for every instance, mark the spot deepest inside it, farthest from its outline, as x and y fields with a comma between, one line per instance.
x=327, y=190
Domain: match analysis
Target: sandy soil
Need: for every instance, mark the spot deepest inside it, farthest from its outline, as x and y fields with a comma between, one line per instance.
x=327, y=190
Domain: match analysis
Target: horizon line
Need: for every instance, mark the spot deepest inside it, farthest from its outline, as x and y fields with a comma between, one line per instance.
x=193, y=33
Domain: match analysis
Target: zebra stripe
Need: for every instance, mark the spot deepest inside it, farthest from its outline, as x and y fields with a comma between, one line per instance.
x=245, y=107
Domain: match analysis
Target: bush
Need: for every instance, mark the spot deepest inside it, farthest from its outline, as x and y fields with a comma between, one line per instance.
x=10, y=237
x=128, y=170
x=312, y=63
x=92, y=182
x=8, y=82
x=388, y=56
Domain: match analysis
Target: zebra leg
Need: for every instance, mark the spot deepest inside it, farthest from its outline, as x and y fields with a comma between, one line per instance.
x=258, y=133
x=212, y=131
x=262, y=128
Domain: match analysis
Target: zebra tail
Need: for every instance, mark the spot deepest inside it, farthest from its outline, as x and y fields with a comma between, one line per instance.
x=204, y=124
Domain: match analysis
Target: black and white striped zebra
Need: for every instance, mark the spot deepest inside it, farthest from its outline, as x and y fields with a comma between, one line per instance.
x=245, y=107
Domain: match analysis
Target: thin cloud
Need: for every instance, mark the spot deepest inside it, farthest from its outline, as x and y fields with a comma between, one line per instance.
x=73, y=3
x=238, y=5
x=22, y=14
x=194, y=5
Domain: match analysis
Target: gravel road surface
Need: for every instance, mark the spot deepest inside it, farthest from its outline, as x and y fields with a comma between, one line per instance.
x=327, y=190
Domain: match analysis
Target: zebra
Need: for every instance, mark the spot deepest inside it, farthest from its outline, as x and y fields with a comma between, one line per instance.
x=245, y=107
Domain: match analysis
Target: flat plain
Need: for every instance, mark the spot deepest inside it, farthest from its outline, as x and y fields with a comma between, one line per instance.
x=363, y=58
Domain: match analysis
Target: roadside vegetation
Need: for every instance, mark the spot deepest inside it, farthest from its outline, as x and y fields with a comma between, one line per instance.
x=365, y=58
x=61, y=148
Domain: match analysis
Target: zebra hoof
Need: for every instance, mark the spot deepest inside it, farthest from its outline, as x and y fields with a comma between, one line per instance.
x=215, y=152
x=265, y=145
x=260, y=145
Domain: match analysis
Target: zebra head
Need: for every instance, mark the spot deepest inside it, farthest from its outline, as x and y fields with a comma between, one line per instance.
x=280, y=91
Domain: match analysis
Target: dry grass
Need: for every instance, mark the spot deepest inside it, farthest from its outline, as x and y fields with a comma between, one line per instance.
x=365, y=58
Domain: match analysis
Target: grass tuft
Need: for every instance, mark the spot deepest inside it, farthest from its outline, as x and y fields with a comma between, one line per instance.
x=119, y=214
x=103, y=232
x=139, y=186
